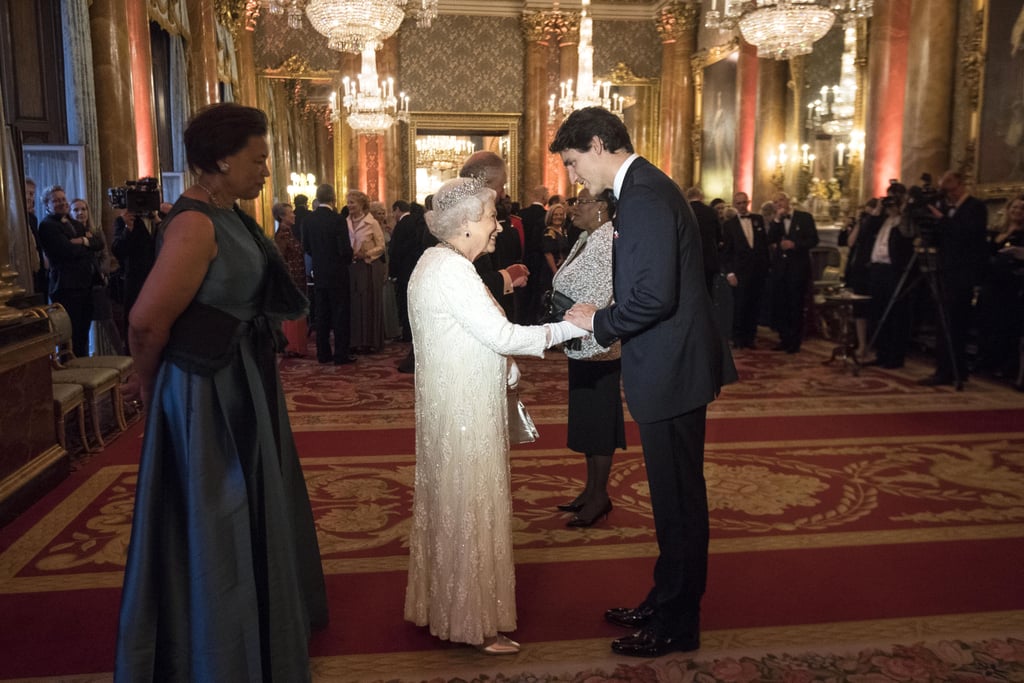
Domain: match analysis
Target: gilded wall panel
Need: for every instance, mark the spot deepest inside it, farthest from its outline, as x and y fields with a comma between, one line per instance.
x=436, y=64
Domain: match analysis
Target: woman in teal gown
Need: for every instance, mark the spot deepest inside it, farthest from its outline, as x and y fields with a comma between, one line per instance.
x=223, y=579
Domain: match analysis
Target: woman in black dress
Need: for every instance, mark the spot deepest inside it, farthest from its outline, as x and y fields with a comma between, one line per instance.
x=596, y=424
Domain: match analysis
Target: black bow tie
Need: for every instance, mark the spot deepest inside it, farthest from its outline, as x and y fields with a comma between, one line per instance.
x=784, y=217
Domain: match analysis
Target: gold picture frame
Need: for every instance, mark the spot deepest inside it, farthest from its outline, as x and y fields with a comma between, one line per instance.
x=715, y=74
x=500, y=130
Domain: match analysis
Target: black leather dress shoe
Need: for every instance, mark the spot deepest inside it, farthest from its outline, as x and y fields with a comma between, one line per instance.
x=935, y=381
x=647, y=643
x=345, y=361
x=629, y=617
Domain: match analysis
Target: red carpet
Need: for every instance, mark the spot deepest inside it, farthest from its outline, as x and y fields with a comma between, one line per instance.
x=844, y=517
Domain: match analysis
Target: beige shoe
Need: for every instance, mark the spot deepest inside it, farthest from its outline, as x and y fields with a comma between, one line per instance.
x=499, y=645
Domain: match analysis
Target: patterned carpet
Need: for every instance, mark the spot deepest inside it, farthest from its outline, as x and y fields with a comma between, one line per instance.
x=864, y=529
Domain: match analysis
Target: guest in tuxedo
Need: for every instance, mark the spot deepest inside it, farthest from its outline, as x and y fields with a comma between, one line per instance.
x=134, y=247
x=890, y=240
x=533, y=254
x=791, y=235
x=960, y=238
x=71, y=252
x=405, y=249
x=710, y=235
x=746, y=260
x=301, y=210
x=673, y=364
x=325, y=238
x=501, y=270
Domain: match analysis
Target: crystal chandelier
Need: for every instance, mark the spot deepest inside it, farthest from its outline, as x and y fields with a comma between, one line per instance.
x=833, y=111
x=587, y=92
x=442, y=152
x=370, y=103
x=348, y=24
x=782, y=29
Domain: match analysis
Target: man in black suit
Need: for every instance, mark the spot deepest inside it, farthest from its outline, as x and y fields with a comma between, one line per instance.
x=746, y=260
x=404, y=251
x=533, y=216
x=960, y=238
x=71, y=252
x=710, y=235
x=325, y=239
x=134, y=247
x=673, y=364
x=503, y=271
x=791, y=235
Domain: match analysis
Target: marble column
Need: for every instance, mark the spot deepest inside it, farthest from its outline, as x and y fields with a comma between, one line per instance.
x=144, y=102
x=771, y=131
x=202, y=53
x=677, y=27
x=535, y=101
x=346, y=145
x=245, y=53
x=928, y=108
x=887, y=79
x=115, y=117
x=391, y=177
x=747, y=68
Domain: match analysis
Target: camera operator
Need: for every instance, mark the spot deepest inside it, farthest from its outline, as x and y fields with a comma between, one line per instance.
x=891, y=245
x=134, y=246
x=960, y=241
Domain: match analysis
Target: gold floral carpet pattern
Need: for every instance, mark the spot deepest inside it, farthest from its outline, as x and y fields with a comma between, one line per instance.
x=372, y=394
x=864, y=529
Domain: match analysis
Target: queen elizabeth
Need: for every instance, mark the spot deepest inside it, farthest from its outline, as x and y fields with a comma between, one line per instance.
x=461, y=575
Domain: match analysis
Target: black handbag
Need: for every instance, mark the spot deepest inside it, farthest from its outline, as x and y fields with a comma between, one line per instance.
x=555, y=306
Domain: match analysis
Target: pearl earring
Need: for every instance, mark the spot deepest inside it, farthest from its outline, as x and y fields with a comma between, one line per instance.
x=224, y=168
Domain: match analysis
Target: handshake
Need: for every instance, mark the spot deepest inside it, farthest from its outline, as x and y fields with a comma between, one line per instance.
x=518, y=273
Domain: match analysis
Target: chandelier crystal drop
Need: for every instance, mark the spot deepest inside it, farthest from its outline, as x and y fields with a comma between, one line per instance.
x=586, y=92
x=783, y=29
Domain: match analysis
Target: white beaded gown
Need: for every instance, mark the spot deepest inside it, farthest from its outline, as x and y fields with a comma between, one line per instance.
x=461, y=574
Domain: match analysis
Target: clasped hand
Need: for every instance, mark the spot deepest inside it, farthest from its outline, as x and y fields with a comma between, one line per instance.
x=582, y=315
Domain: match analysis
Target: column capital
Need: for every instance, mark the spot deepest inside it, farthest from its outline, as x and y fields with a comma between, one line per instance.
x=550, y=25
x=676, y=20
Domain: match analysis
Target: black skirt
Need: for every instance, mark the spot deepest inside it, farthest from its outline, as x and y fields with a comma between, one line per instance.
x=596, y=424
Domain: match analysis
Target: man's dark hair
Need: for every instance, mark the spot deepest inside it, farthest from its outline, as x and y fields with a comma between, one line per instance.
x=220, y=130
x=580, y=127
x=301, y=201
x=401, y=205
x=325, y=194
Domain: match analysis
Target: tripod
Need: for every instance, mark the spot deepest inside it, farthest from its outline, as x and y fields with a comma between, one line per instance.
x=928, y=272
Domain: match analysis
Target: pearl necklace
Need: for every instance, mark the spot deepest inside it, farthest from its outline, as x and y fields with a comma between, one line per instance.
x=451, y=246
x=213, y=195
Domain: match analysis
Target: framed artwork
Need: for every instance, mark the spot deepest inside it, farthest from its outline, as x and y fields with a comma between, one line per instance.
x=718, y=104
x=1000, y=134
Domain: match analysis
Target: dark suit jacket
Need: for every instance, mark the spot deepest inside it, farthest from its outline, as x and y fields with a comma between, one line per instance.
x=962, y=244
x=738, y=256
x=325, y=239
x=72, y=266
x=135, y=251
x=901, y=248
x=710, y=235
x=406, y=247
x=533, y=228
x=673, y=359
x=796, y=262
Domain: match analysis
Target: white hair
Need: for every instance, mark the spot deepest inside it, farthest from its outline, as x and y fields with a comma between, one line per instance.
x=457, y=202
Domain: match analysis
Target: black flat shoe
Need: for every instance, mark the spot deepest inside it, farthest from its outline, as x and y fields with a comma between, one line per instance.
x=629, y=617
x=647, y=643
x=583, y=522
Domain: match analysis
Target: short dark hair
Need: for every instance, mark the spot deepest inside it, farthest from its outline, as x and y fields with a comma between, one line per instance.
x=301, y=200
x=325, y=194
x=580, y=127
x=401, y=205
x=220, y=130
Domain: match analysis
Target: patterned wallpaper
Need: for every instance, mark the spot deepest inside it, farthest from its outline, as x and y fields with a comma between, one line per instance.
x=635, y=43
x=463, y=64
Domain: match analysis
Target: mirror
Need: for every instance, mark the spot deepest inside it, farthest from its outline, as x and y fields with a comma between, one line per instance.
x=437, y=144
x=640, y=110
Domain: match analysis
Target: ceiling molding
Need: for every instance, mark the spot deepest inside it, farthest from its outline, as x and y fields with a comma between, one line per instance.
x=630, y=10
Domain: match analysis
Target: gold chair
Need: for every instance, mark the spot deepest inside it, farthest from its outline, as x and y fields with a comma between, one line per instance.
x=67, y=398
x=95, y=381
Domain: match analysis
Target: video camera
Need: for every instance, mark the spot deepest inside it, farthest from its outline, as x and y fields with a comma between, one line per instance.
x=920, y=200
x=140, y=196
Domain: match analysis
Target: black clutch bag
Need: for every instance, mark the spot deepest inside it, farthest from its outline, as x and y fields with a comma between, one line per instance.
x=555, y=306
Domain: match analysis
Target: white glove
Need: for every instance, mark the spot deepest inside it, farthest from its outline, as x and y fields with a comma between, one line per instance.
x=513, y=374
x=562, y=332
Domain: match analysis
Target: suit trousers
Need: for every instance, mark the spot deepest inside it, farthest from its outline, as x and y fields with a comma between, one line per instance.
x=78, y=304
x=747, y=309
x=674, y=456
x=788, y=292
x=332, y=313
